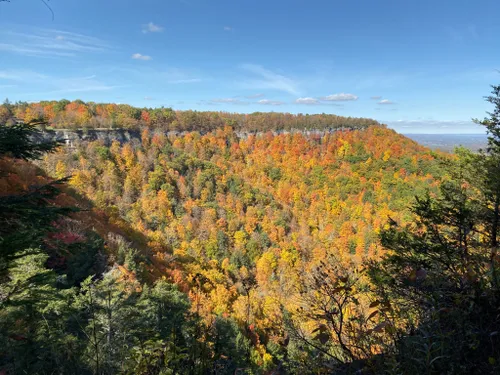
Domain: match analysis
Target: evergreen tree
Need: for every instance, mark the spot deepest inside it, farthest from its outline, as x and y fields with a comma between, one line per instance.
x=439, y=276
x=33, y=317
x=488, y=166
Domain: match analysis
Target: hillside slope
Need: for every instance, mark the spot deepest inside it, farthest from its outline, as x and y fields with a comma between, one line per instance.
x=251, y=216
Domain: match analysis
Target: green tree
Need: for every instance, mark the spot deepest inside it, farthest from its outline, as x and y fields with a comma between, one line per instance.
x=489, y=167
x=106, y=311
x=33, y=315
x=441, y=296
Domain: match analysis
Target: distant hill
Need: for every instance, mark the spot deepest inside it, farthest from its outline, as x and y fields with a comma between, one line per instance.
x=77, y=114
x=447, y=142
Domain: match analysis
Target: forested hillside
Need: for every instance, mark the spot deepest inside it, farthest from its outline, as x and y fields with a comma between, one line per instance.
x=240, y=223
x=209, y=253
x=77, y=114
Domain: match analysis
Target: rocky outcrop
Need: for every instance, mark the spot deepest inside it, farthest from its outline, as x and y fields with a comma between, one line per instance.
x=72, y=137
x=107, y=136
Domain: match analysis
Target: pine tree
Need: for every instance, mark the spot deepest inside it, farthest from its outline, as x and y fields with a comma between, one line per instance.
x=33, y=315
x=439, y=275
x=489, y=167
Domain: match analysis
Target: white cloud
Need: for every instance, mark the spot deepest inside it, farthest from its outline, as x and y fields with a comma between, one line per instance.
x=309, y=101
x=138, y=56
x=270, y=102
x=148, y=98
x=386, y=102
x=228, y=28
x=269, y=80
x=225, y=100
x=340, y=97
x=377, y=97
x=151, y=28
x=50, y=43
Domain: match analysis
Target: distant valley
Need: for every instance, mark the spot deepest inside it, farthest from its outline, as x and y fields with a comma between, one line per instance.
x=447, y=142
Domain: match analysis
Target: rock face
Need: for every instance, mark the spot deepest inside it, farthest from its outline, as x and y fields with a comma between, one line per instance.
x=72, y=137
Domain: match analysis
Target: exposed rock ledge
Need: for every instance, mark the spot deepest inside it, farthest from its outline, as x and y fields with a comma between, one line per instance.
x=72, y=137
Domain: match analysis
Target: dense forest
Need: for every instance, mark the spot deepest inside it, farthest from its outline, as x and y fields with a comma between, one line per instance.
x=348, y=252
x=77, y=114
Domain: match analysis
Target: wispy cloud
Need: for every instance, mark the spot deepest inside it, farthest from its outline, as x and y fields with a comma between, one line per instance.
x=186, y=80
x=227, y=101
x=77, y=85
x=461, y=34
x=138, y=56
x=179, y=76
x=49, y=85
x=474, y=75
x=379, y=81
x=21, y=75
x=377, y=97
x=340, y=97
x=50, y=43
x=148, y=74
x=148, y=98
x=308, y=101
x=270, y=102
x=265, y=79
x=151, y=28
x=32, y=51
x=228, y=28
x=255, y=96
x=386, y=102
x=330, y=100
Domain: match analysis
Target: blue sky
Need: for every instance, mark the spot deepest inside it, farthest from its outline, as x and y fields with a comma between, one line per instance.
x=417, y=65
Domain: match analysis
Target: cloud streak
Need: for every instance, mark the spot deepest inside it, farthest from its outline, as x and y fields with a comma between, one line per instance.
x=227, y=101
x=51, y=43
x=179, y=76
x=255, y=96
x=340, y=97
x=265, y=79
x=138, y=56
x=386, y=102
x=270, y=102
x=186, y=80
x=151, y=28
x=54, y=85
x=308, y=101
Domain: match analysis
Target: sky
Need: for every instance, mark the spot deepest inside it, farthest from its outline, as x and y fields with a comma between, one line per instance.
x=419, y=66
